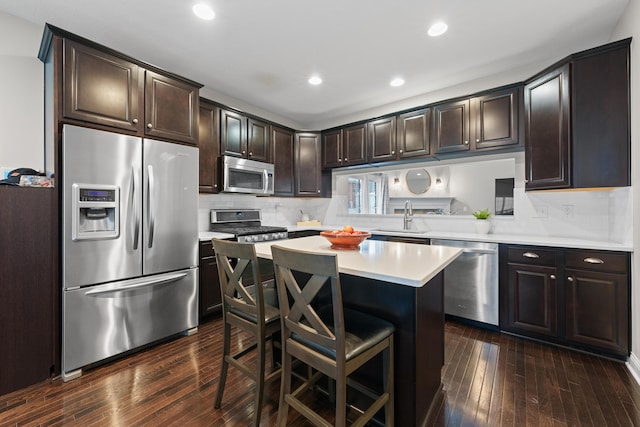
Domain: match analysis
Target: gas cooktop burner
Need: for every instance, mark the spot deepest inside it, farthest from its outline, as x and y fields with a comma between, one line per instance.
x=245, y=225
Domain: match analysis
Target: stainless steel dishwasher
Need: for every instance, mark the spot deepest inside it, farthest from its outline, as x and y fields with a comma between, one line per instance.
x=471, y=281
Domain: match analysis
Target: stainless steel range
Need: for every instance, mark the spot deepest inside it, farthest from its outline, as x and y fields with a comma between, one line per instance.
x=245, y=225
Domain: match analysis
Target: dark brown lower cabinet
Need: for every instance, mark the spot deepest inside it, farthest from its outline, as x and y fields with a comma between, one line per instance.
x=29, y=290
x=532, y=299
x=210, y=299
x=577, y=298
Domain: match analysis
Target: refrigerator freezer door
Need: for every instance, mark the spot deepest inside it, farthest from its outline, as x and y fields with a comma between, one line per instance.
x=170, y=225
x=97, y=160
x=107, y=320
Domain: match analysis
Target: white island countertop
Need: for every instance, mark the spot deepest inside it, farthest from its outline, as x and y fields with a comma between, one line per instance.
x=402, y=263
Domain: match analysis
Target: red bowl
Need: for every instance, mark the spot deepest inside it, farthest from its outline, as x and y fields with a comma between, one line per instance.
x=342, y=240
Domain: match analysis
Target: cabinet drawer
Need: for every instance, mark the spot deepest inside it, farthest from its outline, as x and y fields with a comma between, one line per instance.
x=206, y=249
x=532, y=255
x=614, y=262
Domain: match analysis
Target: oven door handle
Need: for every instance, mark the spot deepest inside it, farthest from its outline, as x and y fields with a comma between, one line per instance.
x=138, y=283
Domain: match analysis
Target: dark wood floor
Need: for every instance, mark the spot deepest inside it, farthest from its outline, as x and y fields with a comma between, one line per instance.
x=490, y=379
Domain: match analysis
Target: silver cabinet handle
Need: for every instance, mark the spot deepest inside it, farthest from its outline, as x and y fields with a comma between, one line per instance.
x=401, y=151
x=466, y=143
x=593, y=260
x=151, y=199
x=477, y=139
x=394, y=151
x=552, y=277
x=250, y=153
x=149, y=125
x=532, y=255
x=136, y=208
x=569, y=279
x=139, y=283
x=318, y=191
x=345, y=159
x=135, y=121
x=526, y=181
x=244, y=151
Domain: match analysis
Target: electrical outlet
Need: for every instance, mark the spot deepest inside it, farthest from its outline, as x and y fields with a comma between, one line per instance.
x=567, y=211
x=541, y=212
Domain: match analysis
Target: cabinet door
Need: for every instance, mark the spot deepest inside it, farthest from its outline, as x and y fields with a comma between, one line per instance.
x=210, y=297
x=332, y=149
x=233, y=134
x=413, y=134
x=171, y=109
x=532, y=299
x=547, y=144
x=495, y=119
x=600, y=124
x=209, y=145
x=597, y=310
x=100, y=88
x=354, y=145
x=258, y=140
x=282, y=155
x=382, y=140
x=451, y=127
x=308, y=165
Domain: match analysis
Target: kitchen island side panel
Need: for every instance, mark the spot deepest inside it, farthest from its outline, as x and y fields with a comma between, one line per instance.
x=418, y=315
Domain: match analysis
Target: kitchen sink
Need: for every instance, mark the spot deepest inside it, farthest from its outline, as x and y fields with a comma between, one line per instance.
x=389, y=230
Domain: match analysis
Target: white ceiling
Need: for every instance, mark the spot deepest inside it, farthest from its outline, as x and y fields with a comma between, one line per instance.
x=262, y=52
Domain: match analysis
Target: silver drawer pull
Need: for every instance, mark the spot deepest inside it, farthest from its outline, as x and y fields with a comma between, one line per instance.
x=552, y=277
x=593, y=261
x=531, y=255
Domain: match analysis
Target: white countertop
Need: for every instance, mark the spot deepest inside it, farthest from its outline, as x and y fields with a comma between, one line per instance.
x=518, y=239
x=405, y=264
x=208, y=235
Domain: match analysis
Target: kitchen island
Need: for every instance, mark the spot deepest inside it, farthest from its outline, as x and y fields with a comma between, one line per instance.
x=403, y=284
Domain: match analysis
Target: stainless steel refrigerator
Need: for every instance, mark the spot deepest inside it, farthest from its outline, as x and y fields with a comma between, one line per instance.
x=130, y=244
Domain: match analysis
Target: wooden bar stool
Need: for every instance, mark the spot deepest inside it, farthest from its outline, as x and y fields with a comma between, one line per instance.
x=251, y=307
x=333, y=340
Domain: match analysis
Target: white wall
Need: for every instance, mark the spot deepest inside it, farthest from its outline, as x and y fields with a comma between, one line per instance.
x=22, y=99
x=629, y=26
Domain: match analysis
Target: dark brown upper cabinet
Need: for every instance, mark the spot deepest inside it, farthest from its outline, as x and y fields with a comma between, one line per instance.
x=451, y=126
x=344, y=147
x=487, y=121
x=233, y=134
x=282, y=154
x=242, y=136
x=495, y=119
x=547, y=107
x=381, y=140
x=171, y=109
x=413, y=134
x=308, y=165
x=577, y=121
x=88, y=75
x=104, y=88
x=258, y=140
x=209, y=145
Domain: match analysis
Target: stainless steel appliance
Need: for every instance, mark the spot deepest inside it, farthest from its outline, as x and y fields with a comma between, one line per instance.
x=471, y=281
x=130, y=244
x=246, y=176
x=245, y=225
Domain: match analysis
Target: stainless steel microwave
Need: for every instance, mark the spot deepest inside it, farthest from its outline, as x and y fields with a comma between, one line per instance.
x=246, y=176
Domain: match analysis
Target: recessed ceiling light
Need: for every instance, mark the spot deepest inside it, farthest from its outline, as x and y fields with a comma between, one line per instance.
x=437, y=29
x=203, y=11
x=397, y=82
x=315, y=80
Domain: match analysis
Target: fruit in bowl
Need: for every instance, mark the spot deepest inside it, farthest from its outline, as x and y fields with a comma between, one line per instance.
x=347, y=238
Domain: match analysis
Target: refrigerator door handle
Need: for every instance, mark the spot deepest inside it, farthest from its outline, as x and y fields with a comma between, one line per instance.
x=136, y=208
x=151, y=197
x=140, y=283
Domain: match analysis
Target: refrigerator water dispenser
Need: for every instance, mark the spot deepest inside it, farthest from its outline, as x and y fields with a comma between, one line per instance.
x=96, y=212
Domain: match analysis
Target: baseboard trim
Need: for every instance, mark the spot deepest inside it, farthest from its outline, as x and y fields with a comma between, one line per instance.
x=633, y=364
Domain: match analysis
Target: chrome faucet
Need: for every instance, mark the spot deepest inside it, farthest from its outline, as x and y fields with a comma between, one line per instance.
x=408, y=214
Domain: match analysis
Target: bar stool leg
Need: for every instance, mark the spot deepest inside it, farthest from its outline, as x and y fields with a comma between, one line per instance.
x=285, y=389
x=225, y=364
x=387, y=375
x=259, y=381
x=341, y=402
